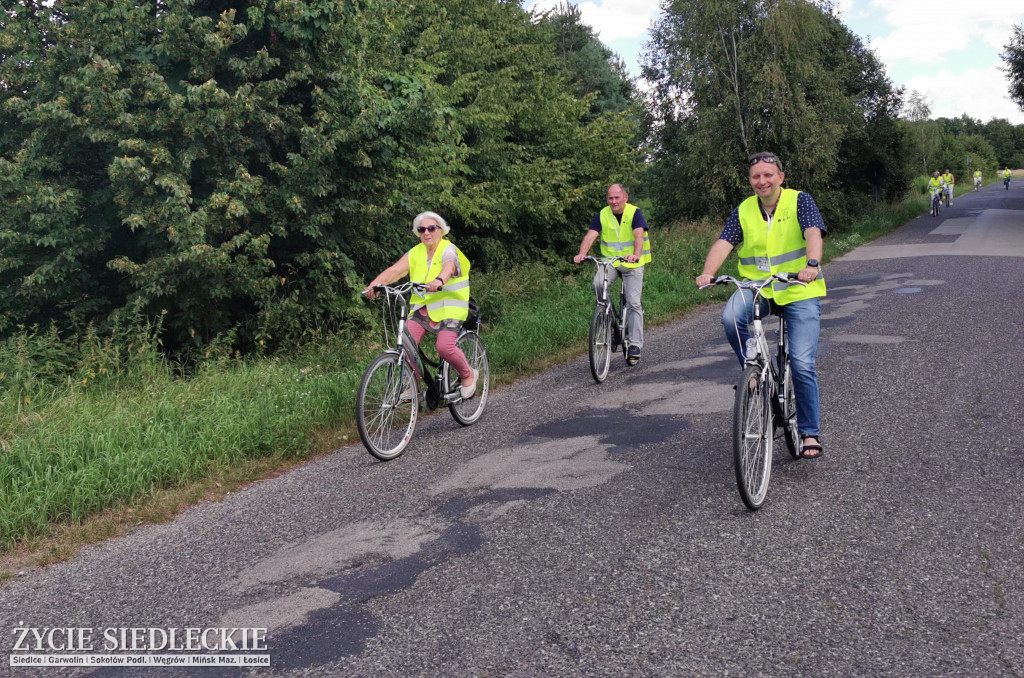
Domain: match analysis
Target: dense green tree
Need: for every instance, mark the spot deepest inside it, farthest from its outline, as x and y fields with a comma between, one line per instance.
x=1013, y=58
x=247, y=165
x=1003, y=138
x=738, y=76
x=589, y=64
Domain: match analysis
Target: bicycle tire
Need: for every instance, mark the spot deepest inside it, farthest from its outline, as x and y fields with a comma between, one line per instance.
x=787, y=411
x=385, y=419
x=752, y=437
x=467, y=412
x=600, y=347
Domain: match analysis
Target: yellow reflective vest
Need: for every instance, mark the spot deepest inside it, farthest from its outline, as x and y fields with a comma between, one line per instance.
x=949, y=179
x=776, y=246
x=617, y=238
x=934, y=183
x=451, y=302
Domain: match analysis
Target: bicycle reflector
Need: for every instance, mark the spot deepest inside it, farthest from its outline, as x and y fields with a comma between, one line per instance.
x=751, y=348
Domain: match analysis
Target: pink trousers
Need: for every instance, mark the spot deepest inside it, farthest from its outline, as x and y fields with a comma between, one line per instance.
x=446, y=348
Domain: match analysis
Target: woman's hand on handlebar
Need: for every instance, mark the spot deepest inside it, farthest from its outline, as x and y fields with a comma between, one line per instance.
x=703, y=280
x=579, y=258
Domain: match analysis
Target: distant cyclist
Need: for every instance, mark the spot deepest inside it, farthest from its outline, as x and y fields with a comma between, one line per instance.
x=1006, y=177
x=977, y=179
x=950, y=182
x=936, y=184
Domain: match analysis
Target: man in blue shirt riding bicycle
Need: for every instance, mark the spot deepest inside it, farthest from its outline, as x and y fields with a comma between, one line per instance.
x=778, y=230
x=623, y=232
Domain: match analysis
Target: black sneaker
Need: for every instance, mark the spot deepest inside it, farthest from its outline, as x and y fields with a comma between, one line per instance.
x=633, y=355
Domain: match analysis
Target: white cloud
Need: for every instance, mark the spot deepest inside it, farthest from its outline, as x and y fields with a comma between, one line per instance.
x=611, y=19
x=971, y=91
x=927, y=31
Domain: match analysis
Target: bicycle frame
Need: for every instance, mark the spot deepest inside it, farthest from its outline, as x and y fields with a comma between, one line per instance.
x=397, y=304
x=618, y=313
x=765, y=398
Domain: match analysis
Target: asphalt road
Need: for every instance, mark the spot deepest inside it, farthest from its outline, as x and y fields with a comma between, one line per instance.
x=583, y=529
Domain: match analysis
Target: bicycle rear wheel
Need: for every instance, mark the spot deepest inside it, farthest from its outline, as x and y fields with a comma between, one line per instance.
x=600, y=348
x=752, y=437
x=466, y=412
x=786, y=419
x=386, y=407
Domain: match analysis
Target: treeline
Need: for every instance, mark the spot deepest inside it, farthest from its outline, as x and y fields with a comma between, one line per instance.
x=960, y=144
x=233, y=171
x=247, y=165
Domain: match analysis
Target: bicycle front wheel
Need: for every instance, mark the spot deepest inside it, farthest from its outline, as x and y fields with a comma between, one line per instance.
x=600, y=342
x=387, y=407
x=752, y=437
x=466, y=412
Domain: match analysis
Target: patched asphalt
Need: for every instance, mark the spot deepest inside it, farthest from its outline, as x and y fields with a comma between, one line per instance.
x=585, y=529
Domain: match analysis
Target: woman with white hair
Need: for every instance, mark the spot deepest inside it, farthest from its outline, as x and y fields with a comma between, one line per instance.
x=442, y=309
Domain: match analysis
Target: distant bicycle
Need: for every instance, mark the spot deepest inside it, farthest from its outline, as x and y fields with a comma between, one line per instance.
x=609, y=330
x=936, y=202
x=977, y=184
x=765, y=399
x=1006, y=183
x=388, y=400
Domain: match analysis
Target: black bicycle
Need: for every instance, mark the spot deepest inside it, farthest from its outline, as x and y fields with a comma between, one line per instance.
x=609, y=330
x=388, y=400
x=765, y=398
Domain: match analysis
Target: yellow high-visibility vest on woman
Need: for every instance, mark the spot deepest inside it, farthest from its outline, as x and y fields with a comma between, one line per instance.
x=451, y=302
x=617, y=238
x=776, y=245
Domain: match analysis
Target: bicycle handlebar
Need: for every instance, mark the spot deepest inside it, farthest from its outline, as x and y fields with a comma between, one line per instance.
x=754, y=284
x=400, y=289
x=605, y=260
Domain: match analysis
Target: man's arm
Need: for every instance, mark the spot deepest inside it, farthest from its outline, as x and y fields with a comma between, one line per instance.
x=716, y=257
x=815, y=250
x=588, y=241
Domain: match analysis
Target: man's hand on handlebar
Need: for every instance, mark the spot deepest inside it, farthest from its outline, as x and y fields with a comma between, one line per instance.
x=704, y=279
x=579, y=258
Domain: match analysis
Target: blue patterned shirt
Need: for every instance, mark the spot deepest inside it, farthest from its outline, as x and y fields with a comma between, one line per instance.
x=807, y=216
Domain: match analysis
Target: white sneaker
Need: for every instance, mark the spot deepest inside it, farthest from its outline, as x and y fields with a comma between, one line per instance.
x=468, y=392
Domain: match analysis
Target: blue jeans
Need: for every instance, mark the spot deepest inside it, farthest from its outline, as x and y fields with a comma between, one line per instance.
x=803, y=324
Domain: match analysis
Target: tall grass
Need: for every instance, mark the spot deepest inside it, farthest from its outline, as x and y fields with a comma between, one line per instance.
x=92, y=422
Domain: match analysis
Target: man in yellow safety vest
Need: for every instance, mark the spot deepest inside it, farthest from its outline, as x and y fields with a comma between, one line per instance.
x=778, y=230
x=623, y=232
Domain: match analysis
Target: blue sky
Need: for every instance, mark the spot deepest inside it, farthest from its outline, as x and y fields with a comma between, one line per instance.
x=946, y=49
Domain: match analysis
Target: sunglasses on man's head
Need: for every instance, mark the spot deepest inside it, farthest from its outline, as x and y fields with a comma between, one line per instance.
x=764, y=158
x=424, y=229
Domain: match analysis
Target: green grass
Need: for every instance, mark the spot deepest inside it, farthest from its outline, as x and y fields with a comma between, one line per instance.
x=105, y=424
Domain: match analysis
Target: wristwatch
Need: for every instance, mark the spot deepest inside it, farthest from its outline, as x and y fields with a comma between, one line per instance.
x=813, y=263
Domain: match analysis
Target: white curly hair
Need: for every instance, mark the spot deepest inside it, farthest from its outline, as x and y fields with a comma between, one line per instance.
x=430, y=215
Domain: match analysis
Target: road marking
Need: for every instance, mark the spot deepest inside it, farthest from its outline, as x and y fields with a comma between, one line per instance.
x=868, y=339
x=993, y=233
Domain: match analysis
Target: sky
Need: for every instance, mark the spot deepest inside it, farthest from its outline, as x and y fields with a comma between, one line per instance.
x=948, y=50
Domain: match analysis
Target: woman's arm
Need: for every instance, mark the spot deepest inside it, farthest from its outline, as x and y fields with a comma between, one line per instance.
x=392, y=273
